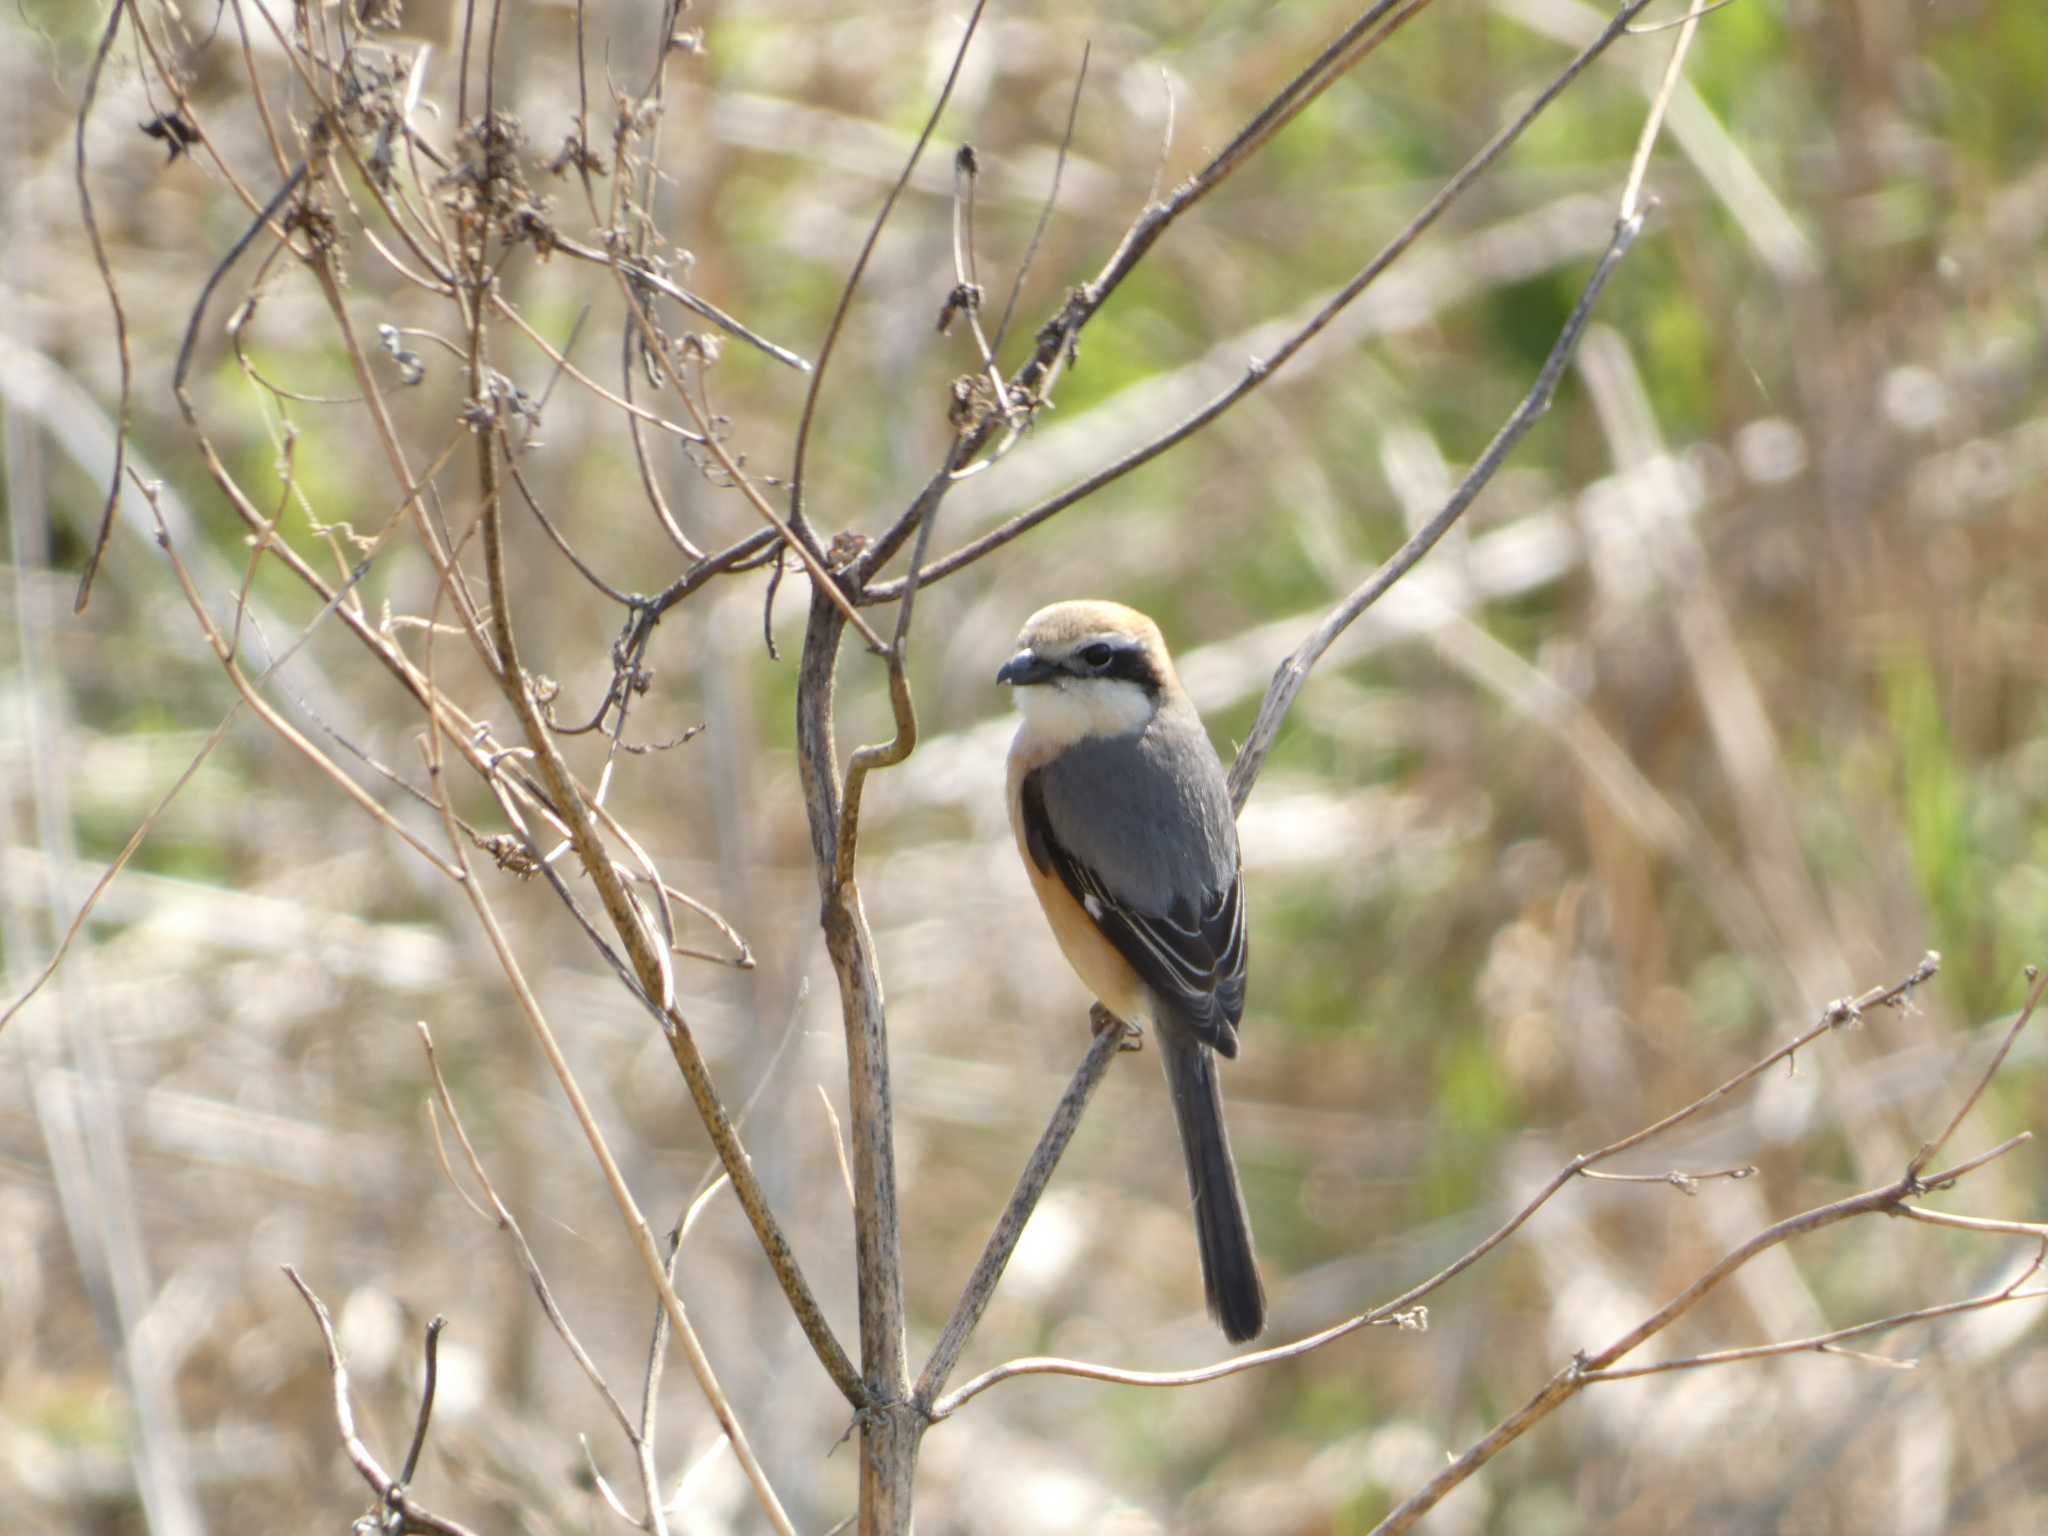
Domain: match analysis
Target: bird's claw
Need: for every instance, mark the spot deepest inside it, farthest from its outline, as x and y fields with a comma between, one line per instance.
x=1100, y=1018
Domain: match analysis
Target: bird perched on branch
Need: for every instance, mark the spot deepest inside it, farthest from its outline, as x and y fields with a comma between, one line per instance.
x=1124, y=820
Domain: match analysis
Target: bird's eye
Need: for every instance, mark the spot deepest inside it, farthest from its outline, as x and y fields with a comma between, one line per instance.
x=1098, y=655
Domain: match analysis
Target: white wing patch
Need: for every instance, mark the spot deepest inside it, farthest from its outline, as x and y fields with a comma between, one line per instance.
x=1183, y=955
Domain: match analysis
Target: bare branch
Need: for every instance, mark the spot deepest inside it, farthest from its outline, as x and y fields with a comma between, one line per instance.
x=392, y=1494
x=640, y=272
x=1888, y=1199
x=1932, y=1149
x=88, y=94
x=120, y=862
x=1052, y=197
x=1286, y=684
x=1685, y=1183
x=432, y=1366
x=501, y=1216
x=1405, y=1308
x=263, y=220
x=1083, y=303
x=283, y=727
x=1660, y=103
x=1824, y=1343
x=1415, y=1319
x=813, y=562
x=853, y=277
x=1002, y=1242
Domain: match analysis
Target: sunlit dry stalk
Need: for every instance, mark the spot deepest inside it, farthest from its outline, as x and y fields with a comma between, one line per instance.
x=1590, y=1368
x=454, y=582
x=288, y=732
x=500, y=1216
x=1404, y=1307
x=123, y=350
x=823, y=580
x=1083, y=303
x=500, y=648
x=636, y=1224
x=391, y=1493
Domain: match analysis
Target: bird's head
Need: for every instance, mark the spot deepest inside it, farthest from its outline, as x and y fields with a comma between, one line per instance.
x=1089, y=669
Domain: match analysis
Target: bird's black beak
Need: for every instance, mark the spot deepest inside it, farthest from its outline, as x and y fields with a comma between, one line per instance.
x=1025, y=668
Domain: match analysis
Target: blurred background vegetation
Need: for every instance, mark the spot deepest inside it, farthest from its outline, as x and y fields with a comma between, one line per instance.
x=1726, y=700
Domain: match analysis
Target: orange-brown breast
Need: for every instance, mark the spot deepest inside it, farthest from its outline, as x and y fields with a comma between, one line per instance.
x=1095, y=960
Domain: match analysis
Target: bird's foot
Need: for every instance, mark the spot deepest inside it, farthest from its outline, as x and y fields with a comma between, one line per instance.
x=1100, y=1018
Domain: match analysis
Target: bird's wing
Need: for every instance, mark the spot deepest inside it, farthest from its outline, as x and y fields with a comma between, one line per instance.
x=1188, y=945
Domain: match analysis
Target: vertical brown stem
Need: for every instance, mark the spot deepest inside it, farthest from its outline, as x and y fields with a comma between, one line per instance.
x=890, y=1428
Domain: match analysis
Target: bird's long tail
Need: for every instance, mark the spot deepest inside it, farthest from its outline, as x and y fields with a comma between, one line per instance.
x=1230, y=1273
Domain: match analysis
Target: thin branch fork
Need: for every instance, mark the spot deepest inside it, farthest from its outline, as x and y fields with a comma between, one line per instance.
x=889, y=1426
x=801, y=448
x=1406, y=1309
x=1893, y=1199
x=248, y=688
x=1932, y=1149
x=980, y=1289
x=1262, y=369
x=636, y=1224
x=1293, y=672
x=1887, y=1199
x=648, y=966
x=1059, y=337
x=392, y=1494
x=1833, y=1017
x=793, y=532
x=499, y=654
x=500, y=1215
x=693, y=1350
x=289, y=733
x=1830, y=1343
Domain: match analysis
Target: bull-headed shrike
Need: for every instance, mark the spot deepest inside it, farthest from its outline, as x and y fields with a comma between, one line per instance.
x=1124, y=821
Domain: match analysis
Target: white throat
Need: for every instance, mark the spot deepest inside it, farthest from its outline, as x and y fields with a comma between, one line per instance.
x=1070, y=709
